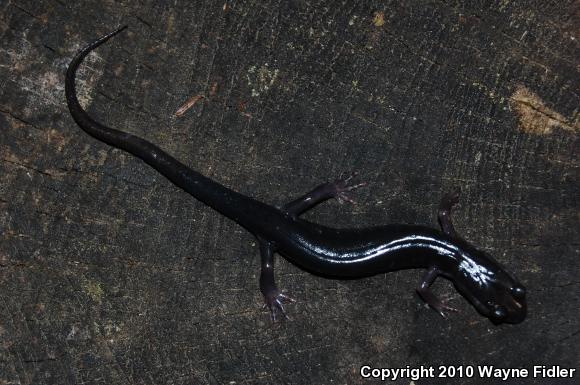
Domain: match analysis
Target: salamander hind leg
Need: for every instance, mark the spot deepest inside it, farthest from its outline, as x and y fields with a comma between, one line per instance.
x=427, y=295
x=339, y=189
x=273, y=299
x=444, y=214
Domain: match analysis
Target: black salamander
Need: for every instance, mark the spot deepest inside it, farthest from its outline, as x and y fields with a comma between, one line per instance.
x=338, y=253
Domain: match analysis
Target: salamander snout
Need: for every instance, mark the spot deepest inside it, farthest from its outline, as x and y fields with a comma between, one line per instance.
x=510, y=307
x=492, y=290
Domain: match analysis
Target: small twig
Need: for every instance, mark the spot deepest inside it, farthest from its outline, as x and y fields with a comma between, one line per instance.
x=188, y=104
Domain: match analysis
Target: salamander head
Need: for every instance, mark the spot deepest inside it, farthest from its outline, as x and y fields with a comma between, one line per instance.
x=492, y=290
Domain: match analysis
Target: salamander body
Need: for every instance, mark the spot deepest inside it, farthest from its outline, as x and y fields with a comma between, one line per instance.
x=338, y=253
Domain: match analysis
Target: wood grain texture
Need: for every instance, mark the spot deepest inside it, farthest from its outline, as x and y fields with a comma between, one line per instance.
x=109, y=274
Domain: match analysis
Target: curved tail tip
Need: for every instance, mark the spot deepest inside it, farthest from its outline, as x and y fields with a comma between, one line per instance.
x=109, y=35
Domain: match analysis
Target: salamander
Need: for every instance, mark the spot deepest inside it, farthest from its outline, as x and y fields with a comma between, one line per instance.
x=330, y=252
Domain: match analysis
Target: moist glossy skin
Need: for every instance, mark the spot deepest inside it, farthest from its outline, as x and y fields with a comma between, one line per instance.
x=340, y=253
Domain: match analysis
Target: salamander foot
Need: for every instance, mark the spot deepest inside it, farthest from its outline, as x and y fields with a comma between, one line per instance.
x=435, y=303
x=427, y=295
x=274, y=301
x=450, y=199
x=443, y=308
x=343, y=186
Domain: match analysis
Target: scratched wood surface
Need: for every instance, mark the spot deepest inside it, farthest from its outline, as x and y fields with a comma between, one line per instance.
x=109, y=274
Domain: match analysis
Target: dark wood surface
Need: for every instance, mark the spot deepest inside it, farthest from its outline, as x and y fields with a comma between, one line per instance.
x=109, y=274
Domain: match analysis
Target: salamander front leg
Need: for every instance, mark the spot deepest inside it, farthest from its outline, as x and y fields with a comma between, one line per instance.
x=273, y=298
x=427, y=295
x=444, y=214
x=338, y=189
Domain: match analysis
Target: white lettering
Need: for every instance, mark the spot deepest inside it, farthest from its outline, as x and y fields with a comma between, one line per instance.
x=485, y=371
x=364, y=371
x=394, y=374
x=555, y=371
x=490, y=371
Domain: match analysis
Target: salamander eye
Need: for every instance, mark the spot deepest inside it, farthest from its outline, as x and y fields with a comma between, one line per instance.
x=518, y=291
x=499, y=312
